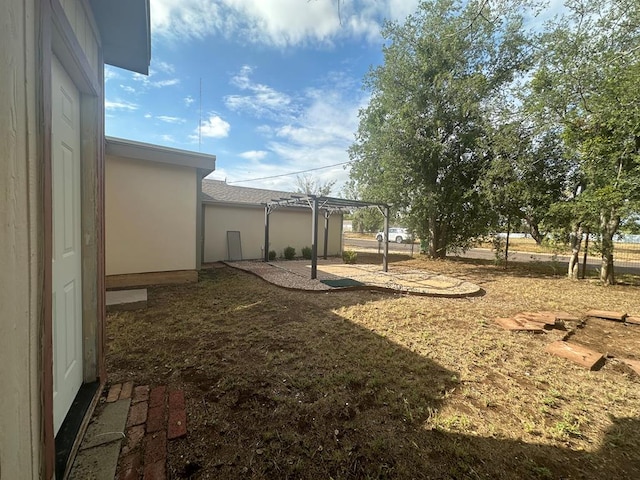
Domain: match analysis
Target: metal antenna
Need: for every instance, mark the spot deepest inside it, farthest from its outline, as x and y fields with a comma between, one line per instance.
x=200, y=120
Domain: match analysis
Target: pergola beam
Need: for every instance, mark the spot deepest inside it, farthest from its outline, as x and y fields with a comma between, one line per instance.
x=329, y=205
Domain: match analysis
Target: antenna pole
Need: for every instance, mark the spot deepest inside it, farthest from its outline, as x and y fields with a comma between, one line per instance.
x=200, y=119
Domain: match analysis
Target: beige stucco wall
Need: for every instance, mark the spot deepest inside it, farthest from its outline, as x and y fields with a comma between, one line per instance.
x=150, y=216
x=20, y=246
x=287, y=227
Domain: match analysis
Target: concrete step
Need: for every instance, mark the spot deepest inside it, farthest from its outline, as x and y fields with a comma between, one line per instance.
x=126, y=299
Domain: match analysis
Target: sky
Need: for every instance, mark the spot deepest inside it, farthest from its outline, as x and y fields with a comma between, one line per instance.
x=270, y=87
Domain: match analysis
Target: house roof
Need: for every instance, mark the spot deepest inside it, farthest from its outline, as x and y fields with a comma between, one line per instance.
x=220, y=191
x=119, y=147
x=125, y=31
x=215, y=191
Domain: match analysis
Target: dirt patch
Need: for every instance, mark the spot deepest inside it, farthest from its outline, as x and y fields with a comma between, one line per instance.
x=286, y=384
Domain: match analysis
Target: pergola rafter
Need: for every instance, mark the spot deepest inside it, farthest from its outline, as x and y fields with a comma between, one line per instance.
x=329, y=205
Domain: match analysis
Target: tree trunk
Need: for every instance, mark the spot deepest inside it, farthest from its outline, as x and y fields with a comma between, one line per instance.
x=574, y=260
x=609, y=223
x=436, y=239
x=535, y=232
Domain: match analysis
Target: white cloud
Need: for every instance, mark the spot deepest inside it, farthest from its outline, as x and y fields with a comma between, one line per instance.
x=168, y=138
x=317, y=129
x=261, y=100
x=213, y=127
x=120, y=105
x=188, y=101
x=254, y=155
x=110, y=73
x=128, y=89
x=168, y=119
x=275, y=22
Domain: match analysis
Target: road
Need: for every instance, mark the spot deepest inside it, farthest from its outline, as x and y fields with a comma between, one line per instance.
x=487, y=254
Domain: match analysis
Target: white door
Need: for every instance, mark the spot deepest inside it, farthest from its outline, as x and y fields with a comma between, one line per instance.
x=67, y=281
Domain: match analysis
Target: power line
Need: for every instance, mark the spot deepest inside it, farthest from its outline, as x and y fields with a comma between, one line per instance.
x=288, y=174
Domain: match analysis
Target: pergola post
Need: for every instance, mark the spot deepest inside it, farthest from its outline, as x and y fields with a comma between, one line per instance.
x=266, y=233
x=326, y=233
x=314, y=238
x=385, y=254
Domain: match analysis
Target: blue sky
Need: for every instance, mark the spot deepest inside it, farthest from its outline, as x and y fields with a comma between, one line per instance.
x=281, y=83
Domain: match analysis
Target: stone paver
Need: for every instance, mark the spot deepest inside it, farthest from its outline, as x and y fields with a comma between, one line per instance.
x=577, y=353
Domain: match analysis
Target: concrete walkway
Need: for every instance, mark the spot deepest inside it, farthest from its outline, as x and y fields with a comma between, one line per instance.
x=335, y=275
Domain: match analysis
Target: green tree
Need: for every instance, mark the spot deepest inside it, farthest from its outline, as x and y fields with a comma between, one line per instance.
x=310, y=186
x=421, y=141
x=527, y=174
x=587, y=83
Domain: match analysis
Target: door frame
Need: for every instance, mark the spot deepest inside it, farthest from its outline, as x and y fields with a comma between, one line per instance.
x=56, y=36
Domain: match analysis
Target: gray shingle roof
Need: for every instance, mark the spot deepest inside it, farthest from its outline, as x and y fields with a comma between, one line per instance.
x=219, y=191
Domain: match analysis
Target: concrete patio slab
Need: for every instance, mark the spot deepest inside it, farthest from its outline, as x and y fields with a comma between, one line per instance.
x=126, y=299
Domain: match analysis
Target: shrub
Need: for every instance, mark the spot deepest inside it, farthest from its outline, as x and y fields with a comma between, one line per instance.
x=349, y=256
x=306, y=253
x=272, y=255
x=289, y=253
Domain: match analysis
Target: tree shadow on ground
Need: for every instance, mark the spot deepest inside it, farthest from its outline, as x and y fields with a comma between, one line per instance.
x=280, y=386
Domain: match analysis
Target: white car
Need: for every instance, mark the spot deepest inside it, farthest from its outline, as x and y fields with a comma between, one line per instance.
x=396, y=234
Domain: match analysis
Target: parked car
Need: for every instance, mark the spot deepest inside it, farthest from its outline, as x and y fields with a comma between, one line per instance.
x=396, y=234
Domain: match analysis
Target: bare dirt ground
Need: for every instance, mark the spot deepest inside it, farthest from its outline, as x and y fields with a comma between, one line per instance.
x=287, y=384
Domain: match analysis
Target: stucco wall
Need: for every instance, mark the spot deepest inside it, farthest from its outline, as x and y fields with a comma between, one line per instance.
x=287, y=228
x=150, y=211
x=20, y=245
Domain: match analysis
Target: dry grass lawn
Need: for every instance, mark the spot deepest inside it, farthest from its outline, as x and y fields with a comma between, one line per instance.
x=284, y=384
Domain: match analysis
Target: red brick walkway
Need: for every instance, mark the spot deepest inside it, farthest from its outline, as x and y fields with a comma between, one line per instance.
x=156, y=415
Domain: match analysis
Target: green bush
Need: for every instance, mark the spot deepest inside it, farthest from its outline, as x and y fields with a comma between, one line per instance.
x=349, y=256
x=289, y=253
x=306, y=253
x=272, y=255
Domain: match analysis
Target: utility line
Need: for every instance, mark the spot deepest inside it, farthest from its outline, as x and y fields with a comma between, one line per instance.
x=287, y=174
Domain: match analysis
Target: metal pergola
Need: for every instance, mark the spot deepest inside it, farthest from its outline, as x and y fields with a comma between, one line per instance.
x=328, y=205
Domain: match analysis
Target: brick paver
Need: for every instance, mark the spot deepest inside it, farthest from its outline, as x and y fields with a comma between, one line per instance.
x=177, y=424
x=114, y=392
x=155, y=419
x=141, y=394
x=127, y=389
x=137, y=414
x=156, y=415
x=155, y=448
x=155, y=471
x=134, y=435
x=130, y=467
x=156, y=397
x=176, y=400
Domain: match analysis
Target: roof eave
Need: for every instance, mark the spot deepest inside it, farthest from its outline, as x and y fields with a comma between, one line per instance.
x=118, y=147
x=125, y=30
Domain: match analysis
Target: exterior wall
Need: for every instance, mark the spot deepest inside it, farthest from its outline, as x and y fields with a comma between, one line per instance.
x=83, y=28
x=286, y=228
x=21, y=253
x=150, y=216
